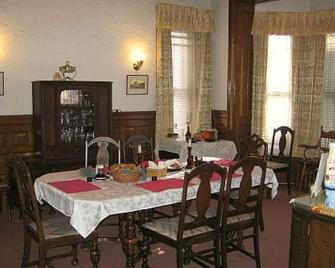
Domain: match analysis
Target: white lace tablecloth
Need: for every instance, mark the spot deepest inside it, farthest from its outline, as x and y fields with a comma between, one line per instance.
x=221, y=148
x=87, y=209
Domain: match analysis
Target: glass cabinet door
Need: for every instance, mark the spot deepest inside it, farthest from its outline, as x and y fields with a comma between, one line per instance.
x=76, y=117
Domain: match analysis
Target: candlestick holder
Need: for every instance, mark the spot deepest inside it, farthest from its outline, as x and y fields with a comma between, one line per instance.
x=189, y=158
x=139, y=158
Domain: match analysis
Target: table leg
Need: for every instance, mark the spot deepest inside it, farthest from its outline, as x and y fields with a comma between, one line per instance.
x=95, y=254
x=130, y=241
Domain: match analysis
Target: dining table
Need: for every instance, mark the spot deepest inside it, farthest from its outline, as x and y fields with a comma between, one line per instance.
x=89, y=203
x=225, y=149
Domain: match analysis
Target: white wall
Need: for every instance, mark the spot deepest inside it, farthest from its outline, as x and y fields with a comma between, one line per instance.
x=220, y=54
x=284, y=6
x=295, y=5
x=38, y=36
x=321, y=4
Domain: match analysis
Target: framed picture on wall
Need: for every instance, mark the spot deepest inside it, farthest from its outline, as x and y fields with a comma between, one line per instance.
x=137, y=84
x=2, y=83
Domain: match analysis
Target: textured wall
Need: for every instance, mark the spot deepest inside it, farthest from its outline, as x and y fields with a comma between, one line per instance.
x=220, y=54
x=37, y=36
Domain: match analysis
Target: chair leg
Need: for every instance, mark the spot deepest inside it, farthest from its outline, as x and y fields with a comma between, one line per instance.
x=26, y=249
x=302, y=177
x=288, y=180
x=179, y=258
x=223, y=251
x=217, y=259
x=9, y=206
x=1, y=202
x=261, y=220
x=74, y=254
x=42, y=257
x=256, y=249
x=95, y=254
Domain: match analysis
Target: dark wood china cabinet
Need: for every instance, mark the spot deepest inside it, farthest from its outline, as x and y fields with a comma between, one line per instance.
x=65, y=114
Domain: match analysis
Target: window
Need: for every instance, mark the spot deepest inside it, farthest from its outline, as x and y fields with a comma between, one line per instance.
x=183, y=77
x=278, y=81
x=328, y=96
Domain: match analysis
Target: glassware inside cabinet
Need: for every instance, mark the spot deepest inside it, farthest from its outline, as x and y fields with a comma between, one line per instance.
x=77, y=111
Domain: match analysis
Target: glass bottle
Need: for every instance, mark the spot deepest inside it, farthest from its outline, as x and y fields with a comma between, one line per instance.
x=103, y=156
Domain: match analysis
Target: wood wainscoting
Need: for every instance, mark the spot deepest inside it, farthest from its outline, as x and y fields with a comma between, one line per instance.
x=16, y=133
x=126, y=124
x=219, y=121
x=16, y=137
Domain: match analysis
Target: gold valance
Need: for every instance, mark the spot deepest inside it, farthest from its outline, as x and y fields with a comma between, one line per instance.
x=294, y=23
x=184, y=18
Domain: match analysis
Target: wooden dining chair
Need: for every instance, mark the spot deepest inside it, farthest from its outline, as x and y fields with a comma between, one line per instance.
x=130, y=149
x=241, y=220
x=5, y=192
x=254, y=146
x=311, y=157
x=50, y=233
x=103, y=154
x=194, y=226
x=280, y=156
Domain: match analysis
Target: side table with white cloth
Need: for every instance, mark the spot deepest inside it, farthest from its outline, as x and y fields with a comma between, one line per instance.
x=221, y=148
x=87, y=209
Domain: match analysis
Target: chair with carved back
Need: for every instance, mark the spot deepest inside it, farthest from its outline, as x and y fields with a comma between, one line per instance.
x=252, y=146
x=192, y=226
x=242, y=219
x=5, y=192
x=103, y=154
x=131, y=155
x=281, y=152
x=131, y=147
x=311, y=157
x=104, y=159
x=47, y=233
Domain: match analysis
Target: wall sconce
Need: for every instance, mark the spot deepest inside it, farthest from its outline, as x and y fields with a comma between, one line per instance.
x=138, y=64
x=138, y=59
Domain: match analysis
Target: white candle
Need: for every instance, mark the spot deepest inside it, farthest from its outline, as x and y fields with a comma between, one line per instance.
x=190, y=143
x=139, y=148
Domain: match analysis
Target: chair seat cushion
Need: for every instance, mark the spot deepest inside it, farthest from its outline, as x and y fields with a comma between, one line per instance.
x=56, y=227
x=276, y=165
x=234, y=194
x=3, y=187
x=211, y=212
x=169, y=227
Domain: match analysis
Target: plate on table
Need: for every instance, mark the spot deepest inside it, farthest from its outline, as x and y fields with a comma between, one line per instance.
x=101, y=177
x=174, y=169
x=171, y=169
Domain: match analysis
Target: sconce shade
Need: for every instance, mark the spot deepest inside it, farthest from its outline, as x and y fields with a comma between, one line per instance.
x=138, y=64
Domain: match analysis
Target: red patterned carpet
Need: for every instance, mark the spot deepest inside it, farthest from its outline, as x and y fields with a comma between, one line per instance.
x=274, y=243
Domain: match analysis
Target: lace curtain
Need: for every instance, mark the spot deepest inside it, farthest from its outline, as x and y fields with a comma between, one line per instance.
x=187, y=19
x=294, y=23
x=260, y=46
x=184, y=18
x=164, y=84
x=201, y=105
x=308, y=30
x=307, y=74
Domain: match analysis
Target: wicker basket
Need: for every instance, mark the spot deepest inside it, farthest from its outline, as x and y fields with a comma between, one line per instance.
x=132, y=176
x=151, y=172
